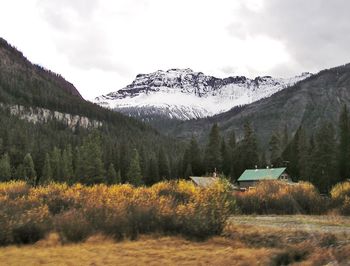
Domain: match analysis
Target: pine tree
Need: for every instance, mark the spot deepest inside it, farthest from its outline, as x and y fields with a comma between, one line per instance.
x=1, y=146
x=124, y=161
x=291, y=155
x=250, y=147
x=68, y=158
x=20, y=172
x=144, y=162
x=285, y=137
x=344, y=145
x=212, y=153
x=112, y=175
x=5, y=168
x=226, y=158
x=186, y=160
x=232, y=140
x=303, y=156
x=194, y=157
x=47, y=171
x=134, y=172
x=118, y=179
x=56, y=164
x=30, y=173
x=92, y=160
x=78, y=166
x=153, y=172
x=275, y=150
x=188, y=171
x=163, y=161
x=324, y=175
x=263, y=162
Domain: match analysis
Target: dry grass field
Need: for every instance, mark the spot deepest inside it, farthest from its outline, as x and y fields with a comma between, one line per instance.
x=247, y=240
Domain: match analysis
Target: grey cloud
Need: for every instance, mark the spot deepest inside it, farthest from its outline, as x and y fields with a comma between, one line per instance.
x=57, y=13
x=315, y=32
x=78, y=37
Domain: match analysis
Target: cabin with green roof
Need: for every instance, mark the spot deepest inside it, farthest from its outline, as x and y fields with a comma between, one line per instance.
x=250, y=177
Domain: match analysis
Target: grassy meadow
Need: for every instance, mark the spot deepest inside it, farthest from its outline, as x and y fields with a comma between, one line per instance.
x=173, y=223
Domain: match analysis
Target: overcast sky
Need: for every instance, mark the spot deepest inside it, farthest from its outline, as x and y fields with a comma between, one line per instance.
x=101, y=45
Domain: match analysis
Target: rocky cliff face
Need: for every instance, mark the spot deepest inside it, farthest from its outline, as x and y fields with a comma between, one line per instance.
x=184, y=94
x=41, y=115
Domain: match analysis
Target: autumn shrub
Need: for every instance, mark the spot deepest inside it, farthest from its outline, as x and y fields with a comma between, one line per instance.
x=14, y=189
x=206, y=212
x=340, y=196
x=23, y=220
x=119, y=211
x=54, y=196
x=275, y=197
x=72, y=226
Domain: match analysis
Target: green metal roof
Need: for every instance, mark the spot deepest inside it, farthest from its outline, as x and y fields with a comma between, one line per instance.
x=261, y=174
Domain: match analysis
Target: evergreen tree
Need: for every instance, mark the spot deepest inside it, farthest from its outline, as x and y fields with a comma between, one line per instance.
x=112, y=175
x=30, y=173
x=78, y=166
x=344, y=145
x=285, y=137
x=144, y=162
x=195, y=159
x=263, y=162
x=250, y=147
x=232, y=140
x=188, y=171
x=20, y=172
x=275, y=150
x=291, y=155
x=134, y=172
x=66, y=165
x=56, y=164
x=5, y=168
x=47, y=171
x=124, y=161
x=303, y=156
x=1, y=146
x=226, y=158
x=153, y=172
x=164, y=167
x=324, y=175
x=92, y=158
x=68, y=158
x=212, y=153
x=185, y=161
x=118, y=179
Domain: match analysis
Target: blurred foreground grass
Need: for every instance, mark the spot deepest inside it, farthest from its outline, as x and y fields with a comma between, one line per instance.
x=251, y=243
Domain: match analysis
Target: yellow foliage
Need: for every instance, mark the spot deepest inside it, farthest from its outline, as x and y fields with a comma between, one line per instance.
x=340, y=194
x=175, y=207
x=275, y=197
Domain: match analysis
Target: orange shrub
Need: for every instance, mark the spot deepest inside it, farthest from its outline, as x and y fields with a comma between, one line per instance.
x=340, y=195
x=275, y=197
x=176, y=207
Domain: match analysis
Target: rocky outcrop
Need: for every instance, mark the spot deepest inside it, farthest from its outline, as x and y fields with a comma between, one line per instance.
x=40, y=115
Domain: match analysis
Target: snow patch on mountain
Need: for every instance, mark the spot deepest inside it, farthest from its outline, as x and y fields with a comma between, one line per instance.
x=185, y=94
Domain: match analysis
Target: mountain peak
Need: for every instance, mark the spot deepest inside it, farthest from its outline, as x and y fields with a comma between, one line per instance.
x=186, y=94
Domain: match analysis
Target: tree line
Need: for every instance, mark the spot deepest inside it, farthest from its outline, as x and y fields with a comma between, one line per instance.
x=57, y=154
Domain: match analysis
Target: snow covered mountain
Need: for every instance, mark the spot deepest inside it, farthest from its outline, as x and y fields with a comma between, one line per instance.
x=184, y=94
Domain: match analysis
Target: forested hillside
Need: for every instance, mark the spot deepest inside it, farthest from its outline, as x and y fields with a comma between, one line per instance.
x=40, y=152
